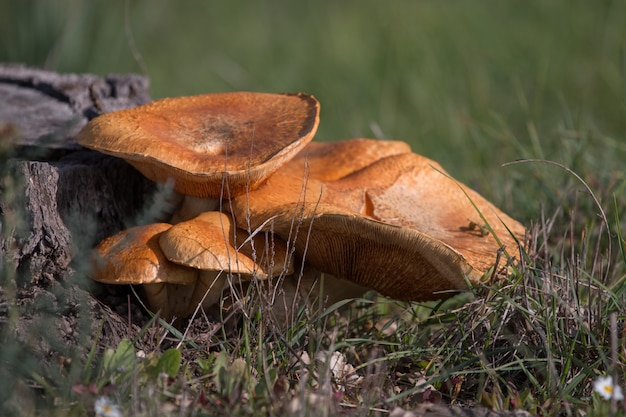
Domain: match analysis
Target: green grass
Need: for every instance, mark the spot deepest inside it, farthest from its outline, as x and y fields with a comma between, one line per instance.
x=471, y=85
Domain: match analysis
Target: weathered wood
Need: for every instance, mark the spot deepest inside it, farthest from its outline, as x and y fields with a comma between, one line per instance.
x=59, y=191
x=48, y=108
x=56, y=201
x=66, y=206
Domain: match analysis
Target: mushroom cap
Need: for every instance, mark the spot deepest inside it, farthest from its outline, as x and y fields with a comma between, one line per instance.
x=327, y=161
x=398, y=262
x=211, y=145
x=133, y=256
x=410, y=211
x=211, y=241
x=415, y=192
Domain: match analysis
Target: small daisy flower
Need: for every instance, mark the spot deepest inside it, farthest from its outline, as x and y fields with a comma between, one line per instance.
x=604, y=386
x=105, y=407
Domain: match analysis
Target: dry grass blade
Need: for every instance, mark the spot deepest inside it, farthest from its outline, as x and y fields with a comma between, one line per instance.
x=589, y=191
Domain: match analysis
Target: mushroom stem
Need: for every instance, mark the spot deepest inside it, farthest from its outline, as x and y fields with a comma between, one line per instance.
x=170, y=300
x=208, y=290
x=191, y=207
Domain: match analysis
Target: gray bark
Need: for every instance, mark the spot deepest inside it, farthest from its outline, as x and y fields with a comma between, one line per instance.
x=48, y=108
x=56, y=201
x=51, y=186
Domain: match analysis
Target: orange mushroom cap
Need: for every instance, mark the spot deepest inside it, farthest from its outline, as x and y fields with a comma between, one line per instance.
x=133, y=256
x=211, y=145
x=327, y=161
x=407, y=207
x=211, y=241
x=415, y=192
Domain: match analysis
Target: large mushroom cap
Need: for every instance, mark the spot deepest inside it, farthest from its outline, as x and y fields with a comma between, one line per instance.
x=398, y=262
x=415, y=192
x=211, y=145
x=403, y=196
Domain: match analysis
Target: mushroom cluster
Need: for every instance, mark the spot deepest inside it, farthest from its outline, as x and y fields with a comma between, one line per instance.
x=259, y=198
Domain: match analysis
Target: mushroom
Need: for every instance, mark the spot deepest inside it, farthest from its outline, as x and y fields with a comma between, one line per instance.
x=370, y=212
x=133, y=256
x=213, y=145
x=415, y=192
x=399, y=262
x=400, y=225
x=212, y=244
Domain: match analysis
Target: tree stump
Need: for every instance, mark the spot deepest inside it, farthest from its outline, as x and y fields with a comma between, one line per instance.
x=56, y=201
x=57, y=184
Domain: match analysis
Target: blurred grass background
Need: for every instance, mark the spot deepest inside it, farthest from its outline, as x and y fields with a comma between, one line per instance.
x=470, y=84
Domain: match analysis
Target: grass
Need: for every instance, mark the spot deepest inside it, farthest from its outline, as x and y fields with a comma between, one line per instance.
x=473, y=86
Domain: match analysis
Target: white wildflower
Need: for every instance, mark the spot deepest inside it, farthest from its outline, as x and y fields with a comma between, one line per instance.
x=338, y=366
x=105, y=407
x=604, y=386
x=399, y=412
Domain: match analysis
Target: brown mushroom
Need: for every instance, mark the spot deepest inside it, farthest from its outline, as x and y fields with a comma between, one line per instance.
x=415, y=192
x=409, y=223
x=133, y=256
x=211, y=241
x=212, y=244
x=211, y=145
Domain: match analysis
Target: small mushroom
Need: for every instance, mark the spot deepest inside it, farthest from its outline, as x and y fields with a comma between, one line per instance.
x=212, y=244
x=213, y=145
x=133, y=256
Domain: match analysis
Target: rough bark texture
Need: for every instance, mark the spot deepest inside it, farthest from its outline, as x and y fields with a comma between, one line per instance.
x=58, y=185
x=48, y=108
x=56, y=201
